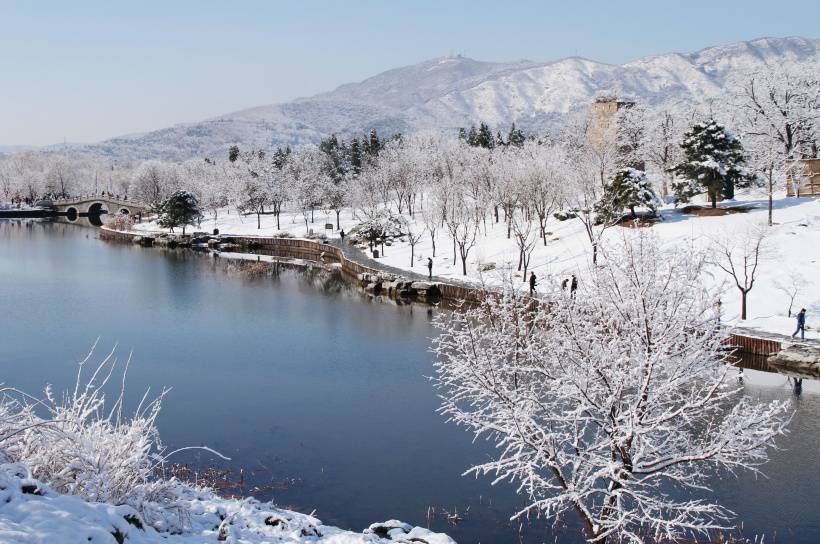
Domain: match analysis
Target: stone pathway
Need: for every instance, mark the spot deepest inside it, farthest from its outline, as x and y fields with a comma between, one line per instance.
x=356, y=255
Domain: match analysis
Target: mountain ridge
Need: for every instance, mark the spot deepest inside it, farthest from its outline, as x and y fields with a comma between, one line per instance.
x=452, y=91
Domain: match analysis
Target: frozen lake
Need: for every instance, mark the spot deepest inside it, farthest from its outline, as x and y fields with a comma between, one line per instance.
x=317, y=391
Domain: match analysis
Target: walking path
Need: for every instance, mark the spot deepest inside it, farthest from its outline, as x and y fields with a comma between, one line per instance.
x=360, y=257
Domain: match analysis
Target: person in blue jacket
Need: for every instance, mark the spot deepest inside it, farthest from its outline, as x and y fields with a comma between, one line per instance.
x=801, y=324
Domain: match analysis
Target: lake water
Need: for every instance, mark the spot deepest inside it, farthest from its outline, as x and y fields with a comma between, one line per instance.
x=319, y=392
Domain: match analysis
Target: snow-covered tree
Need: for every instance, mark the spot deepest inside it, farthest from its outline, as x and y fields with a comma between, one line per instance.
x=661, y=146
x=617, y=405
x=153, y=181
x=252, y=194
x=179, y=210
x=462, y=225
x=628, y=189
x=713, y=159
x=306, y=174
x=783, y=104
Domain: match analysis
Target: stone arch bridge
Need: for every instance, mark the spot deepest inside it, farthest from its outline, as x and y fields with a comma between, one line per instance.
x=97, y=205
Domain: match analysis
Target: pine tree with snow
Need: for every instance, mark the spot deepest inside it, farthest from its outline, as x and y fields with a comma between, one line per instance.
x=375, y=144
x=516, y=136
x=355, y=157
x=233, y=153
x=472, y=136
x=179, y=209
x=485, y=137
x=713, y=159
x=629, y=188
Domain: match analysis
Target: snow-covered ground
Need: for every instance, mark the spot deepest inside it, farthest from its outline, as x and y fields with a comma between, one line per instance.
x=32, y=513
x=794, y=242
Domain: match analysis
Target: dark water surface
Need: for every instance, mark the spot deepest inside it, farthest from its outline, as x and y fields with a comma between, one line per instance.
x=317, y=391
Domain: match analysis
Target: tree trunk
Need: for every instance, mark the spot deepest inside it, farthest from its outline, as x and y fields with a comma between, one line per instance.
x=743, y=305
x=277, y=222
x=771, y=204
x=258, y=220
x=338, y=213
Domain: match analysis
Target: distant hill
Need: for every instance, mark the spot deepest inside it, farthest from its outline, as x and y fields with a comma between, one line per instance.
x=450, y=92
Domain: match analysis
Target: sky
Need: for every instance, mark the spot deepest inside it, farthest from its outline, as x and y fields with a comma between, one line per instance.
x=87, y=70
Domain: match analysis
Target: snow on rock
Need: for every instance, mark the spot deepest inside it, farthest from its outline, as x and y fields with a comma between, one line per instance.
x=32, y=513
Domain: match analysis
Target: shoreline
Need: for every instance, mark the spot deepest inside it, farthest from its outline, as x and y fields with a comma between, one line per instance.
x=354, y=267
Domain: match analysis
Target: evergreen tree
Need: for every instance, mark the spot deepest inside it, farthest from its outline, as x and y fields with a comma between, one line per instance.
x=355, y=157
x=462, y=134
x=472, y=136
x=485, y=137
x=515, y=137
x=628, y=188
x=280, y=157
x=337, y=157
x=713, y=160
x=375, y=145
x=233, y=153
x=179, y=209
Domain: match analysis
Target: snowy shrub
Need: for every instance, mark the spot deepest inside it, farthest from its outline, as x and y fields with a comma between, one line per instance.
x=78, y=445
x=283, y=234
x=563, y=215
x=121, y=221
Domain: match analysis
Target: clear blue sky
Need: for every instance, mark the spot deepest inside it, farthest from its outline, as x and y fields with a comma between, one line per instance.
x=88, y=70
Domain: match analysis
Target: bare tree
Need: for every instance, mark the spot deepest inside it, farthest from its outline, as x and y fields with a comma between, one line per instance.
x=526, y=238
x=599, y=404
x=791, y=286
x=413, y=238
x=739, y=255
x=462, y=224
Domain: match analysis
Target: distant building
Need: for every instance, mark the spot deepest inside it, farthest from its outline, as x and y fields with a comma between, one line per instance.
x=806, y=180
x=603, y=129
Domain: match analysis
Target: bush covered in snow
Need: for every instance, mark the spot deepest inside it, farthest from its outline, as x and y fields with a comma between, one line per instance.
x=76, y=469
x=381, y=227
x=122, y=222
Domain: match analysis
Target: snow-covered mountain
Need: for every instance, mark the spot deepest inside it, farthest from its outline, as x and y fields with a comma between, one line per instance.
x=455, y=91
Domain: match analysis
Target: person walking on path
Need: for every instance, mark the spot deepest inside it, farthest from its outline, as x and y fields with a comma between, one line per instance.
x=342, y=235
x=573, y=286
x=430, y=267
x=532, y=283
x=801, y=324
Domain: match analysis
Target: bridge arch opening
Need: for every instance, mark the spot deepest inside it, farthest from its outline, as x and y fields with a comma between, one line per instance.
x=98, y=208
x=71, y=214
x=124, y=211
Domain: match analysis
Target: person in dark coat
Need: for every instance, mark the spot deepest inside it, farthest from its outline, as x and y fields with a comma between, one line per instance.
x=801, y=324
x=342, y=234
x=532, y=283
x=430, y=267
x=573, y=286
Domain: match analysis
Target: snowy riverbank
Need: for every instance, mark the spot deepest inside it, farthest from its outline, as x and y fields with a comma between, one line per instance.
x=31, y=513
x=794, y=243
